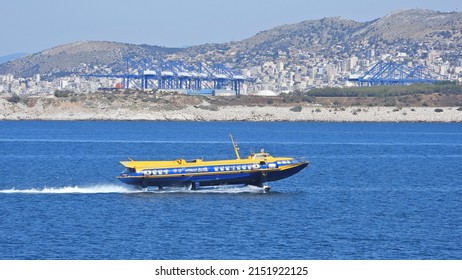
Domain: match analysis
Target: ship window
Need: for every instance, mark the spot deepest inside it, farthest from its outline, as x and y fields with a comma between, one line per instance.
x=128, y=170
x=261, y=156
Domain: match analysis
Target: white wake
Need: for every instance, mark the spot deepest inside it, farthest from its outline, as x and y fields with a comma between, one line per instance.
x=93, y=189
x=109, y=188
x=230, y=189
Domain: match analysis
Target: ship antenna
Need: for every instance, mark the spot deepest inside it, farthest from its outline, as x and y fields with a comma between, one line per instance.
x=236, y=149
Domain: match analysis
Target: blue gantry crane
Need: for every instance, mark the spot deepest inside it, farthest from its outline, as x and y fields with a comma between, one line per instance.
x=393, y=73
x=143, y=74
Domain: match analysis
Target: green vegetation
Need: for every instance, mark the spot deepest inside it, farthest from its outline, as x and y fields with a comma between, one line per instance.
x=62, y=93
x=14, y=98
x=383, y=91
x=296, y=109
x=298, y=96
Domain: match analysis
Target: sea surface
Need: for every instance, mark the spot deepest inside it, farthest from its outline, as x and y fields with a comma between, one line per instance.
x=372, y=191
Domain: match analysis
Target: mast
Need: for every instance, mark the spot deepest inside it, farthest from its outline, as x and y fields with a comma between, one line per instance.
x=236, y=149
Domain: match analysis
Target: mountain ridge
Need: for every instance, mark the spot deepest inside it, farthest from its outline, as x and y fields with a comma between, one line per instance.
x=326, y=37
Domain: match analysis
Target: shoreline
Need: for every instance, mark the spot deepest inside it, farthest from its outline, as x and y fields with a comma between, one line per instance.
x=63, y=110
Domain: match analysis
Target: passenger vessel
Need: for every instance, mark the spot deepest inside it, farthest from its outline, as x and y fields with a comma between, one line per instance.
x=257, y=169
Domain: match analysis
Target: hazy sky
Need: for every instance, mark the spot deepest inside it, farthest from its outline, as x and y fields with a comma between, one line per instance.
x=32, y=26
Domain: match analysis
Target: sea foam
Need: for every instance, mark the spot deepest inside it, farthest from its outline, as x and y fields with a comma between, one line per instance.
x=91, y=189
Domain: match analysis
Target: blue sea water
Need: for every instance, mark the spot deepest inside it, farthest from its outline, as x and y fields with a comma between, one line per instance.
x=372, y=191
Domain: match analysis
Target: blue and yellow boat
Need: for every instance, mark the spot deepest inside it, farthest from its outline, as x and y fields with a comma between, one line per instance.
x=257, y=169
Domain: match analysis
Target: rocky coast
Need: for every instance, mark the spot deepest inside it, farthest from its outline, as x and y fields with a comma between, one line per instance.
x=200, y=109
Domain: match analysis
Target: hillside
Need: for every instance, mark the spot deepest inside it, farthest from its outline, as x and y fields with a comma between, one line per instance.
x=308, y=37
x=419, y=25
x=72, y=58
x=327, y=37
